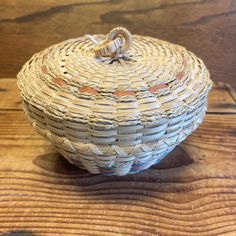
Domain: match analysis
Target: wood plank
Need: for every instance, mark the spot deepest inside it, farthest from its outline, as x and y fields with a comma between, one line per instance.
x=191, y=192
x=9, y=94
x=222, y=99
x=207, y=27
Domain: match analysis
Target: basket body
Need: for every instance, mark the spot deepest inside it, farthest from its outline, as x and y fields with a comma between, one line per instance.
x=116, y=160
x=118, y=107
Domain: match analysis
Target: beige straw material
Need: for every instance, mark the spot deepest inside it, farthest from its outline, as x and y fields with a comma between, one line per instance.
x=115, y=104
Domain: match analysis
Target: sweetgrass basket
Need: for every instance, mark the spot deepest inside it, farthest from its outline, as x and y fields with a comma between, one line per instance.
x=114, y=104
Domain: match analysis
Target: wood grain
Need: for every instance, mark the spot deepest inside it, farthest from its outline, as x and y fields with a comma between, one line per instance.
x=191, y=192
x=207, y=27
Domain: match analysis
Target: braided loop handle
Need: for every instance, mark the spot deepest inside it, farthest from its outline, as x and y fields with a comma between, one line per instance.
x=116, y=44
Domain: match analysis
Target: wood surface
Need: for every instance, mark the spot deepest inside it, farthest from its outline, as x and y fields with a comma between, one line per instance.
x=191, y=192
x=207, y=27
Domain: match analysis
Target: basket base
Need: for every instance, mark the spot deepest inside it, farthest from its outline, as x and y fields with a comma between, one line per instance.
x=96, y=166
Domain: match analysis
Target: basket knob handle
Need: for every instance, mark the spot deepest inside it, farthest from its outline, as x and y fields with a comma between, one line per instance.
x=116, y=44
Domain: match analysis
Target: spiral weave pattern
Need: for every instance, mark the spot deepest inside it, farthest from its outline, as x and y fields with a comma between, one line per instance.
x=115, y=118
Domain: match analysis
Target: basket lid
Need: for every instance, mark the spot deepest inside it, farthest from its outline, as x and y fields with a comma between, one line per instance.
x=115, y=79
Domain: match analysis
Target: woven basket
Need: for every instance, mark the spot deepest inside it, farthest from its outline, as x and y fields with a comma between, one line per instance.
x=114, y=104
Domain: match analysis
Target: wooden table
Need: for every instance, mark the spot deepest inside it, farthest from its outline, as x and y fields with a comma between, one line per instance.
x=191, y=192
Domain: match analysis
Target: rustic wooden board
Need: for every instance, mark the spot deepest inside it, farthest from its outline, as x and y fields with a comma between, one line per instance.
x=191, y=192
x=207, y=27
